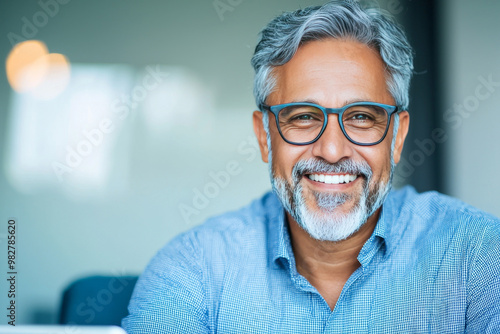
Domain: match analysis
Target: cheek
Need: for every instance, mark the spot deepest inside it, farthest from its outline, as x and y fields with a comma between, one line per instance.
x=379, y=160
x=285, y=156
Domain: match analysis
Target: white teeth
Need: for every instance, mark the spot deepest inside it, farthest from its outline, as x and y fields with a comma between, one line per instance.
x=333, y=179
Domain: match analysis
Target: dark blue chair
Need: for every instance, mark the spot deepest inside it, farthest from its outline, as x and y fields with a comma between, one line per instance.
x=97, y=300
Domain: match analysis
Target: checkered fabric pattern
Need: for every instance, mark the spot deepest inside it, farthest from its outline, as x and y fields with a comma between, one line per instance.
x=432, y=265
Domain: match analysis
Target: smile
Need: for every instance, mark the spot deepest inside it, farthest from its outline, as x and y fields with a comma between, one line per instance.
x=333, y=179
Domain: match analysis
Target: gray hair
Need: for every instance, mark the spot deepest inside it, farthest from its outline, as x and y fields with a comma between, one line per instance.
x=340, y=19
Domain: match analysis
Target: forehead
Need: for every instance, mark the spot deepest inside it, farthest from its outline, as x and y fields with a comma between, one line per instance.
x=332, y=72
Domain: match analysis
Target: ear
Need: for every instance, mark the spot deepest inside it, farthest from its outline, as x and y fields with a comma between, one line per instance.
x=404, y=123
x=260, y=133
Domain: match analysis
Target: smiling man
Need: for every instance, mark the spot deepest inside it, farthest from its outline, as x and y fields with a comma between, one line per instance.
x=331, y=249
x=331, y=168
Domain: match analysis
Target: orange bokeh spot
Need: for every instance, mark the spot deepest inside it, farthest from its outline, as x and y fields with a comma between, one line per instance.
x=24, y=71
x=31, y=69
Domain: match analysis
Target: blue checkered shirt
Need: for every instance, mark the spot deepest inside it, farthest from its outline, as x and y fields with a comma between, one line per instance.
x=432, y=265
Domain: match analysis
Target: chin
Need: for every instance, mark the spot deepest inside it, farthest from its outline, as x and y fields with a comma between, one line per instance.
x=331, y=223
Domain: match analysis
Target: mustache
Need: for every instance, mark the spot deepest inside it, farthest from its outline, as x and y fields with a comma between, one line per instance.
x=316, y=166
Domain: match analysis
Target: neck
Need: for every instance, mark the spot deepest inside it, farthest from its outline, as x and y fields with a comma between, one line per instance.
x=328, y=260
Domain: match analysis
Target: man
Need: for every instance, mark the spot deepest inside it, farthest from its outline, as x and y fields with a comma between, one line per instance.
x=330, y=250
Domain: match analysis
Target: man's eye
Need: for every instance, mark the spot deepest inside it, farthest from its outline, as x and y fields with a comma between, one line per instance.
x=303, y=117
x=361, y=117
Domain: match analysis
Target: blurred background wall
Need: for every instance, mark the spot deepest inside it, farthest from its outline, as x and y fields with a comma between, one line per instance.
x=471, y=67
x=151, y=132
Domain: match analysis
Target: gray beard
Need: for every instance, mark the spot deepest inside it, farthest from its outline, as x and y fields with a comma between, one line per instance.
x=325, y=223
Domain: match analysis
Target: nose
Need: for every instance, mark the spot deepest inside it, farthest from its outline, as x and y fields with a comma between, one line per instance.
x=332, y=146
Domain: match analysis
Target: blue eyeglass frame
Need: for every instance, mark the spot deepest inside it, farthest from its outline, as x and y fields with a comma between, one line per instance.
x=326, y=111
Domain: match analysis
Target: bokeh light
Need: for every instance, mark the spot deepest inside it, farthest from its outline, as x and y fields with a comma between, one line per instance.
x=24, y=70
x=31, y=69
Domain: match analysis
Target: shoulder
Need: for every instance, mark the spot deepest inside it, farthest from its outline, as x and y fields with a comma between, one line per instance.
x=440, y=219
x=180, y=281
x=434, y=206
x=453, y=245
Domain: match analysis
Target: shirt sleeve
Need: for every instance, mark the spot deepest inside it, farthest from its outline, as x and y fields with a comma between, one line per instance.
x=169, y=295
x=483, y=300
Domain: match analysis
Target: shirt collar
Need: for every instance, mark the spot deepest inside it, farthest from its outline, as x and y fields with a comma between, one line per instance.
x=389, y=226
x=279, y=243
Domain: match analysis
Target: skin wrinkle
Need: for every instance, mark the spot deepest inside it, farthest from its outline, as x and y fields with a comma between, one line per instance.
x=291, y=191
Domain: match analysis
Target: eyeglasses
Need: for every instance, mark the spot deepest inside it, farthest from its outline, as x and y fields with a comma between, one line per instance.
x=363, y=123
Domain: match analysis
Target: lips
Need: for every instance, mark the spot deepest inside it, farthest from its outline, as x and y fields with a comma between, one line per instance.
x=333, y=179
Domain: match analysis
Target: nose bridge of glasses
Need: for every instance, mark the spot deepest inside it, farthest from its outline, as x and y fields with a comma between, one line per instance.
x=333, y=114
x=333, y=111
x=333, y=123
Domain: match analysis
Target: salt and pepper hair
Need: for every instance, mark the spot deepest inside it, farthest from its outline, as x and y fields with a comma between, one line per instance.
x=279, y=41
x=340, y=19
